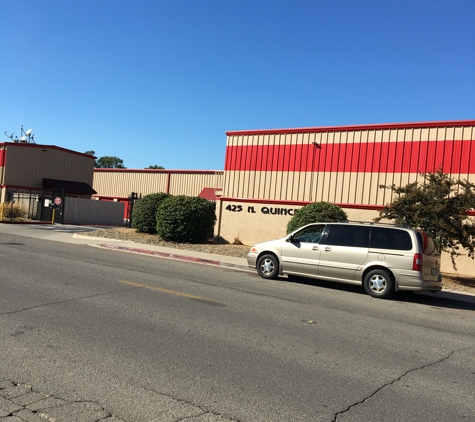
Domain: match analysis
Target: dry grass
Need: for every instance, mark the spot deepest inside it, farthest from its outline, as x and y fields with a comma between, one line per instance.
x=17, y=211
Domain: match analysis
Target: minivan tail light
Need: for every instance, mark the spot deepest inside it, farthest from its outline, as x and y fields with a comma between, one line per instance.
x=417, y=262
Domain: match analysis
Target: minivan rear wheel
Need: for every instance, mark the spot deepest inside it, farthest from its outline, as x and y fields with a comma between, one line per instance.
x=379, y=283
x=268, y=266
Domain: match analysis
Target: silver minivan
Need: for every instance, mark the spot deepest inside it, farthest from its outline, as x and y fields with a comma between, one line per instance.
x=384, y=258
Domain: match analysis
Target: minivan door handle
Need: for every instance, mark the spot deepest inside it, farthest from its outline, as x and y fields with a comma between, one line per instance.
x=327, y=249
x=315, y=248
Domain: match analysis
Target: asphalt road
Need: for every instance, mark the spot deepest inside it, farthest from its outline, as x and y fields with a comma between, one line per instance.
x=140, y=338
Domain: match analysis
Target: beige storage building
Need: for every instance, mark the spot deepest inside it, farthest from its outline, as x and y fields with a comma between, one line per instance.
x=32, y=174
x=118, y=184
x=270, y=173
x=24, y=166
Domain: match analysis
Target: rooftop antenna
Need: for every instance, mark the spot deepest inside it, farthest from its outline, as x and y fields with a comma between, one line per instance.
x=26, y=137
x=11, y=137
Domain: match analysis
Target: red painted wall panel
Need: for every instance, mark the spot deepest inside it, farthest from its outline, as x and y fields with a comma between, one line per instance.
x=391, y=157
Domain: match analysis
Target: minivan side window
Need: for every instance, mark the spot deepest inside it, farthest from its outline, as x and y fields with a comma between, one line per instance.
x=342, y=235
x=311, y=234
x=385, y=238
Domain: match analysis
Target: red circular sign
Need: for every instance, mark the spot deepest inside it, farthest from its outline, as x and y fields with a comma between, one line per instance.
x=57, y=200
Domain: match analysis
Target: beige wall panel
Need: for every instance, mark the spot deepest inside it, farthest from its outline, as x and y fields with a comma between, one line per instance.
x=468, y=133
x=122, y=184
x=192, y=184
x=265, y=184
x=278, y=187
x=228, y=183
x=308, y=187
x=252, y=224
x=27, y=166
x=228, y=177
x=363, y=189
x=247, y=182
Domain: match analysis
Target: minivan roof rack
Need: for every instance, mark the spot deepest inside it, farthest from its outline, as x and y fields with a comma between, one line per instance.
x=373, y=223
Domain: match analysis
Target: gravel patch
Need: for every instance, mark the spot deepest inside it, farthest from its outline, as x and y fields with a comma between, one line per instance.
x=238, y=251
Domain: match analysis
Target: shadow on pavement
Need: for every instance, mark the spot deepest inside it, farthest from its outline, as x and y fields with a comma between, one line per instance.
x=444, y=299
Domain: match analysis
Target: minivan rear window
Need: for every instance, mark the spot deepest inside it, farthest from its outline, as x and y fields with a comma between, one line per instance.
x=385, y=238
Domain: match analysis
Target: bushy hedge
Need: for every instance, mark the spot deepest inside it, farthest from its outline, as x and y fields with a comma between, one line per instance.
x=185, y=219
x=145, y=212
x=316, y=212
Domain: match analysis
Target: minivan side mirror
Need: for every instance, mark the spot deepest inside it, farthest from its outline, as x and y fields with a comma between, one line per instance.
x=290, y=238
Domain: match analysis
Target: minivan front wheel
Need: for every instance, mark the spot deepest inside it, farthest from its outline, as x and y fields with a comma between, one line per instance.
x=268, y=266
x=379, y=283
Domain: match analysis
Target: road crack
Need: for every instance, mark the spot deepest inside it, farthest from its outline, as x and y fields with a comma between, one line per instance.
x=41, y=305
x=394, y=381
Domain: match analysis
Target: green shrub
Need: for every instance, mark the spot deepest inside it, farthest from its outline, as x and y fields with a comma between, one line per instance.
x=186, y=219
x=316, y=212
x=145, y=212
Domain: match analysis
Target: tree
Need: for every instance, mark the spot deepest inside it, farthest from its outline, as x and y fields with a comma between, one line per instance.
x=108, y=162
x=155, y=167
x=316, y=212
x=438, y=206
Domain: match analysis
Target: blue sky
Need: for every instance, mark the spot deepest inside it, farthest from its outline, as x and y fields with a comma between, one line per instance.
x=160, y=82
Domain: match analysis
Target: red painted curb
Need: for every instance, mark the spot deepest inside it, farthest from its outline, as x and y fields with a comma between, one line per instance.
x=25, y=222
x=161, y=254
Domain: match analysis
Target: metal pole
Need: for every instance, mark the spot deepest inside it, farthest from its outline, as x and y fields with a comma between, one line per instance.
x=62, y=207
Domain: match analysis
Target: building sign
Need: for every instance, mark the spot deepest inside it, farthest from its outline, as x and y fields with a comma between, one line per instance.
x=252, y=209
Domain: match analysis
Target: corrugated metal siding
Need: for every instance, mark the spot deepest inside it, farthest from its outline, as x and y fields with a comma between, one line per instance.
x=87, y=211
x=120, y=183
x=192, y=184
x=27, y=165
x=345, y=166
